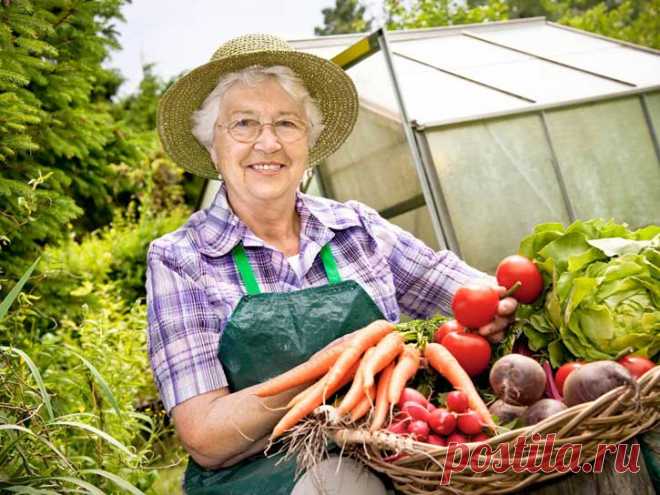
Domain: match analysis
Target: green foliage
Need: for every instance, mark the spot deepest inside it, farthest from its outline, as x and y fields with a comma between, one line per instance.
x=58, y=137
x=433, y=13
x=71, y=273
x=635, y=21
x=347, y=16
x=95, y=375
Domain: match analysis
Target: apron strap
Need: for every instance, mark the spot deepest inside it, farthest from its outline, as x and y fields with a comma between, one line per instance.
x=245, y=270
x=330, y=265
x=250, y=281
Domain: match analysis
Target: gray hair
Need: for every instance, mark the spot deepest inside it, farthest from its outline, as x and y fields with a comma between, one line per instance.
x=204, y=119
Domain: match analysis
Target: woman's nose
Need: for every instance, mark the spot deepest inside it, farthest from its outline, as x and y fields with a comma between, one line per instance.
x=267, y=141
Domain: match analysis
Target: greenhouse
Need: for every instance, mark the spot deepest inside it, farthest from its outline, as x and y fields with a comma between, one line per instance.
x=468, y=136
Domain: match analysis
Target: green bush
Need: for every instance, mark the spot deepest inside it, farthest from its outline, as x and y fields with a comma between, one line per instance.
x=75, y=403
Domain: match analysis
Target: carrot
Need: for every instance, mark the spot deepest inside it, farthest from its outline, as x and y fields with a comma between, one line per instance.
x=300, y=395
x=382, y=403
x=310, y=370
x=365, y=405
x=386, y=351
x=319, y=384
x=363, y=339
x=446, y=364
x=310, y=401
x=405, y=369
x=355, y=393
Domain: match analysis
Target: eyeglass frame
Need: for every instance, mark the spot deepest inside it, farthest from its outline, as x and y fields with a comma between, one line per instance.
x=306, y=128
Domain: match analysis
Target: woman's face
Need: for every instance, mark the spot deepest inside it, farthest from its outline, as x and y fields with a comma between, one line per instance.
x=242, y=164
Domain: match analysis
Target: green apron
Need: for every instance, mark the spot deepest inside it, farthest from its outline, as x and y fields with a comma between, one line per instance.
x=267, y=335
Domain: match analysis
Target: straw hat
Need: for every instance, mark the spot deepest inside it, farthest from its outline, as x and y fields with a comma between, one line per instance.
x=327, y=83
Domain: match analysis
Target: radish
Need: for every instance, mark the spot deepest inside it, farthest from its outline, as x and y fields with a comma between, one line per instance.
x=416, y=411
x=457, y=401
x=442, y=421
x=437, y=440
x=479, y=437
x=400, y=427
x=457, y=438
x=469, y=423
x=419, y=430
x=410, y=394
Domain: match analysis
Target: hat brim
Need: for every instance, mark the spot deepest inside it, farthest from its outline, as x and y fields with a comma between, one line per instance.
x=327, y=83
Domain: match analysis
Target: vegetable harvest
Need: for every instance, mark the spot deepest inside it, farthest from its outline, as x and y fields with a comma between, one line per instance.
x=586, y=300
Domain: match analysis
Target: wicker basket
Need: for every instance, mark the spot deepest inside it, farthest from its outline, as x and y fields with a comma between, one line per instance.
x=611, y=419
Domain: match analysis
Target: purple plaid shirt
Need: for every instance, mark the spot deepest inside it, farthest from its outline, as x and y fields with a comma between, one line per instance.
x=193, y=286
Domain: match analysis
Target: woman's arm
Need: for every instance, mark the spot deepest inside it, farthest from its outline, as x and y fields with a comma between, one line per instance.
x=219, y=428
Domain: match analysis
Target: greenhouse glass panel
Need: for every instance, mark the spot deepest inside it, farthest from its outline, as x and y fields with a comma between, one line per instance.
x=608, y=161
x=498, y=182
x=653, y=104
x=582, y=50
x=374, y=165
x=431, y=95
x=418, y=223
x=508, y=70
x=545, y=40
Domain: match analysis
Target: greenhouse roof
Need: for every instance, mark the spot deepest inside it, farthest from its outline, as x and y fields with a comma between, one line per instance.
x=459, y=73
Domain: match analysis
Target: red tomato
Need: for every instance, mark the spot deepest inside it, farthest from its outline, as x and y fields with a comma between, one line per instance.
x=562, y=373
x=469, y=422
x=475, y=305
x=517, y=268
x=472, y=351
x=442, y=421
x=637, y=365
x=457, y=401
x=445, y=328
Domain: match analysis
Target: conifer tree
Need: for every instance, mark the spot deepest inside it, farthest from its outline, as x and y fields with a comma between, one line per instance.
x=59, y=142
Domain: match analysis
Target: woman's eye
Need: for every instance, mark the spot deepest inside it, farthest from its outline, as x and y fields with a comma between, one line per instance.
x=288, y=124
x=246, y=123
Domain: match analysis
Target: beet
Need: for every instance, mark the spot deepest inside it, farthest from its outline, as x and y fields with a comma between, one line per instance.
x=542, y=409
x=592, y=380
x=517, y=379
x=506, y=412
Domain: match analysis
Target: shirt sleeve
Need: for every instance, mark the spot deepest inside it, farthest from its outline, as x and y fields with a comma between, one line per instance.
x=425, y=280
x=183, y=333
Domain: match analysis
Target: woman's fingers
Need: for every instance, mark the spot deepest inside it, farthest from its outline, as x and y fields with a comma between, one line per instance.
x=496, y=338
x=498, y=325
x=507, y=306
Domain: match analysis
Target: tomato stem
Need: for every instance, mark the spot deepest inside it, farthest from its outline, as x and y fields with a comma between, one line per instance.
x=513, y=289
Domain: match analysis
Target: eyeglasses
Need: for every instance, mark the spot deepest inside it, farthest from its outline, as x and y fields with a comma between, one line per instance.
x=248, y=130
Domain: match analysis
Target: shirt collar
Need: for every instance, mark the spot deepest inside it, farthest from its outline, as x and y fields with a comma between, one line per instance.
x=220, y=229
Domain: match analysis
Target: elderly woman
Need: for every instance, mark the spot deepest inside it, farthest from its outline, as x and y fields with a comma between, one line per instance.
x=267, y=276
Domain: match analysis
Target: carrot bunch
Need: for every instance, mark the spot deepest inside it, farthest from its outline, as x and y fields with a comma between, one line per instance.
x=372, y=359
x=378, y=364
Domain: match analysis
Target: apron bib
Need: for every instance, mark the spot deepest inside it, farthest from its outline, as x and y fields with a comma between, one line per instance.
x=268, y=334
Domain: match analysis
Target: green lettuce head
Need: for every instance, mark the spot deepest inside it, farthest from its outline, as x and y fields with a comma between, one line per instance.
x=603, y=297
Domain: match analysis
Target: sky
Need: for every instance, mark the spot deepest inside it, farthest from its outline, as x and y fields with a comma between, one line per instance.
x=178, y=35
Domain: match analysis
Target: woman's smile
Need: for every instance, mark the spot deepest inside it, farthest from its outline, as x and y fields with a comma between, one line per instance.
x=266, y=168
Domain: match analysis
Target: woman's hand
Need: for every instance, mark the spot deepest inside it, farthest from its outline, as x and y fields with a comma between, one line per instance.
x=506, y=309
